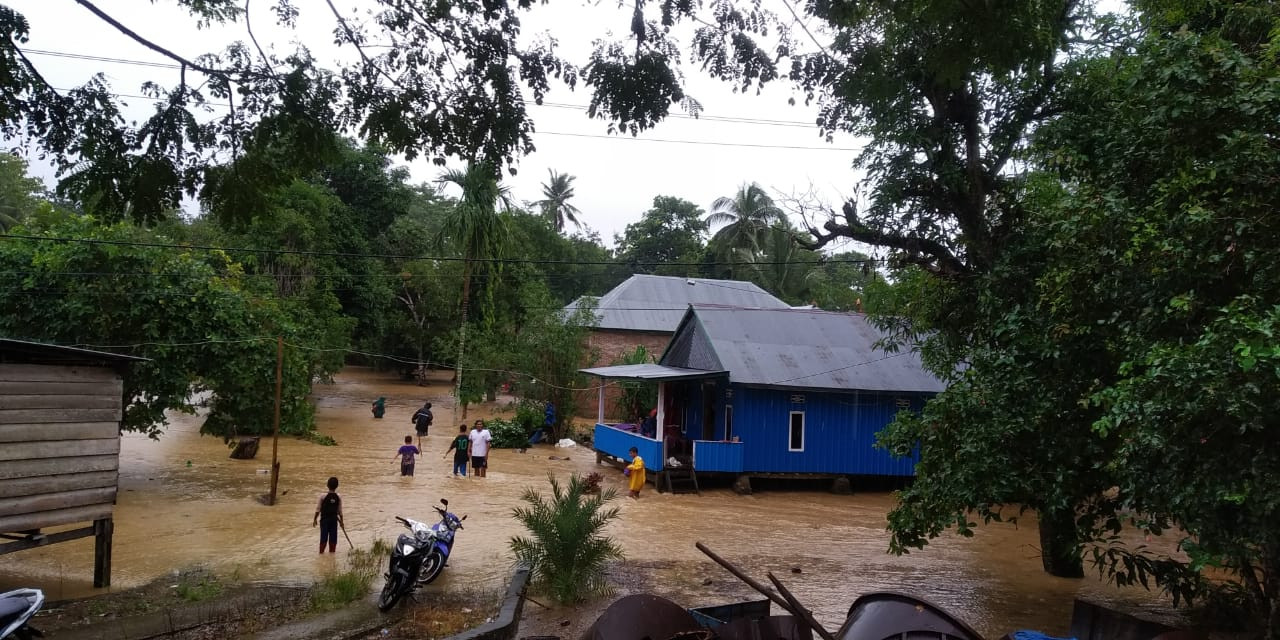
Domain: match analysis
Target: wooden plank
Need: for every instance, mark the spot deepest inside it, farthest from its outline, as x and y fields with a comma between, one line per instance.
x=113, y=388
x=41, y=449
x=58, y=466
x=58, y=402
x=55, y=373
x=15, y=487
x=42, y=539
x=45, y=416
x=55, y=501
x=58, y=431
x=44, y=519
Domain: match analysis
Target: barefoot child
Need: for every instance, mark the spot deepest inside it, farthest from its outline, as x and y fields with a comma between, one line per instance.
x=405, y=454
x=459, y=448
x=329, y=516
x=635, y=471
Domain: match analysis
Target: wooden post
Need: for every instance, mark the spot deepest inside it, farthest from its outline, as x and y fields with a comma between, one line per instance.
x=102, y=530
x=275, y=436
x=600, y=405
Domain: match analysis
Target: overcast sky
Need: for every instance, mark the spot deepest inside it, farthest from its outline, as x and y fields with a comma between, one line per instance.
x=617, y=176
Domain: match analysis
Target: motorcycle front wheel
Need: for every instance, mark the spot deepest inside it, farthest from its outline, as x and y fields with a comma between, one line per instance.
x=432, y=565
x=391, y=592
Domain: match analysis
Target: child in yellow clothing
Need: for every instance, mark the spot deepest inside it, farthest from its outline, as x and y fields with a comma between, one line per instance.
x=635, y=471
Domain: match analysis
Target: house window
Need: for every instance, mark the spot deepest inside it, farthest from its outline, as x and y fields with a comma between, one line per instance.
x=728, y=422
x=796, y=436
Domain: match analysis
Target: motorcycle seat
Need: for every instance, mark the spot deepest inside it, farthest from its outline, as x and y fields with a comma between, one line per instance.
x=11, y=609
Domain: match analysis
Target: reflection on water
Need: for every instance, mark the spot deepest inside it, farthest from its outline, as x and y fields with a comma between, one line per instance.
x=172, y=514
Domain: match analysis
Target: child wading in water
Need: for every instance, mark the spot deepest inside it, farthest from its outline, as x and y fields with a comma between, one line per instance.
x=459, y=448
x=635, y=471
x=329, y=516
x=405, y=454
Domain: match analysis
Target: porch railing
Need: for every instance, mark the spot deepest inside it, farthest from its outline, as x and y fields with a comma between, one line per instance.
x=713, y=455
x=616, y=442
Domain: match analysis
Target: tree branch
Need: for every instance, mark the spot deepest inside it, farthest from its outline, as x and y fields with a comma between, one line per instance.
x=351, y=37
x=929, y=254
x=149, y=44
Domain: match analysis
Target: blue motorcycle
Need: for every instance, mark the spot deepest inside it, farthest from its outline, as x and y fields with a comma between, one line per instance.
x=435, y=559
x=418, y=556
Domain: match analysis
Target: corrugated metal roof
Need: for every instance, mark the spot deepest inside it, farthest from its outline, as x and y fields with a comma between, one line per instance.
x=650, y=372
x=805, y=349
x=657, y=303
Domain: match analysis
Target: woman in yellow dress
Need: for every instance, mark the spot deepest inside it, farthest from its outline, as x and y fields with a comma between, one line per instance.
x=635, y=471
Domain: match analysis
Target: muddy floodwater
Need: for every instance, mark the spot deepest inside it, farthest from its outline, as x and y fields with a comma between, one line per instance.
x=183, y=502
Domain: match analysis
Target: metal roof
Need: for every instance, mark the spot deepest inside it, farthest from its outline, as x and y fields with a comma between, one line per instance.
x=809, y=349
x=651, y=372
x=27, y=351
x=657, y=303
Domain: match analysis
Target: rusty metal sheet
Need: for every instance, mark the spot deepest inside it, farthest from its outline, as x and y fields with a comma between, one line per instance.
x=641, y=616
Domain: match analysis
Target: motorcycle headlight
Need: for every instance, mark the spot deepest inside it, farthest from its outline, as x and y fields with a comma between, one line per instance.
x=407, y=549
x=424, y=535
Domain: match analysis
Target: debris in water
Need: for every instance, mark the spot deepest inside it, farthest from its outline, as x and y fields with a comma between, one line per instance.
x=796, y=570
x=706, y=582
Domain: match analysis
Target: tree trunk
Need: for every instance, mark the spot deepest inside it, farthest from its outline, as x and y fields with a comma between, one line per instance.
x=462, y=342
x=1059, y=543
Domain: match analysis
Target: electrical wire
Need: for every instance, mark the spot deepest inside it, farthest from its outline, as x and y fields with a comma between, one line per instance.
x=384, y=256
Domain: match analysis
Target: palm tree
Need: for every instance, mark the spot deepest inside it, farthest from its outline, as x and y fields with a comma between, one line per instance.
x=479, y=232
x=567, y=550
x=782, y=267
x=746, y=217
x=555, y=203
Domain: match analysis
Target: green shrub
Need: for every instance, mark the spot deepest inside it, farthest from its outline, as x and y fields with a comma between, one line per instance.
x=199, y=586
x=315, y=437
x=566, y=551
x=507, y=434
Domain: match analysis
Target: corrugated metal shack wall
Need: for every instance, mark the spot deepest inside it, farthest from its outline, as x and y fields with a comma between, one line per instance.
x=839, y=432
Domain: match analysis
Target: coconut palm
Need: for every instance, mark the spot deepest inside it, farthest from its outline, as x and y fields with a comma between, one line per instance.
x=476, y=228
x=782, y=267
x=566, y=549
x=555, y=205
x=746, y=217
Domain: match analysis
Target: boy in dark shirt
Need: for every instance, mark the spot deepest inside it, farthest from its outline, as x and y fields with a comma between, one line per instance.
x=329, y=516
x=459, y=446
x=405, y=455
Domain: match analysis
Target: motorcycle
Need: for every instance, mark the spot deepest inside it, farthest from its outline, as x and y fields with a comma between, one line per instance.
x=419, y=556
x=16, y=608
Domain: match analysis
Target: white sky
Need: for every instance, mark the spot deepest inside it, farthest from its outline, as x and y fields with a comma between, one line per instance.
x=616, y=178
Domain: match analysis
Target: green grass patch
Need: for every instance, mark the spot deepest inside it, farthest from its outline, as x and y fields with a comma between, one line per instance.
x=353, y=582
x=315, y=437
x=199, y=586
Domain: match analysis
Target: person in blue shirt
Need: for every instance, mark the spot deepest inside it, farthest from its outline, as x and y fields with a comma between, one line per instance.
x=405, y=455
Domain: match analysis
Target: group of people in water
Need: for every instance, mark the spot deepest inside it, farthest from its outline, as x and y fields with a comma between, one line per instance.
x=467, y=448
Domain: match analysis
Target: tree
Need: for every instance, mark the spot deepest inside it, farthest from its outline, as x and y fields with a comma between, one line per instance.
x=670, y=232
x=781, y=266
x=566, y=549
x=200, y=322
x=556, y=194
x=747, y=217
x=20, y=194
x=1139, y=293
x=474, y=226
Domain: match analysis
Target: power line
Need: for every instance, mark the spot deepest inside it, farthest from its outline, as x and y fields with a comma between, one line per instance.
x=388, y=256
x=704, y=142
x=856, y=364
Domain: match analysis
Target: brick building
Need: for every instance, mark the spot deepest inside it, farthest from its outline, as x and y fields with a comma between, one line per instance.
x=645, y=310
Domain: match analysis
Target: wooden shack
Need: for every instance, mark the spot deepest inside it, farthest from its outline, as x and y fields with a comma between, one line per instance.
x=60, y=413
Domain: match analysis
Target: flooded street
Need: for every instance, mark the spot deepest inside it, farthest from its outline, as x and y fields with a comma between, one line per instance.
x=183, y=502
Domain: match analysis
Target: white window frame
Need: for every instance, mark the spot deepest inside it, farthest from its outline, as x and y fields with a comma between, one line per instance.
x=728, y=422
x=790, y=421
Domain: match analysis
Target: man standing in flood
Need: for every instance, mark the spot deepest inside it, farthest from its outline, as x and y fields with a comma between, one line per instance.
x=480, y=439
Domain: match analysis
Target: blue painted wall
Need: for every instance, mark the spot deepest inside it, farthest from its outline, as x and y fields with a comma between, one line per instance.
x=617, y=443
x=839, y=434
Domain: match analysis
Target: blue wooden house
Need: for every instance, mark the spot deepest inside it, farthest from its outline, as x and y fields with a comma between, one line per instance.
x=771, y=392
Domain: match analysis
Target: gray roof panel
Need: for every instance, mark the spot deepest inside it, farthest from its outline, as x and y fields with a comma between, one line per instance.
x=657, y=303
x=651, y=372
x=810, y=349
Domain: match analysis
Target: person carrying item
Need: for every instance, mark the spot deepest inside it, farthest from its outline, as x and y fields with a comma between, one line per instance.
x=422, y=421
x=459, y=446
x=634, y=472
x=329, y=516
x=405, y=454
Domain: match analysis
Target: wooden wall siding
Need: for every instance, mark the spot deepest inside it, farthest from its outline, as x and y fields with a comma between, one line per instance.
x=59, y=444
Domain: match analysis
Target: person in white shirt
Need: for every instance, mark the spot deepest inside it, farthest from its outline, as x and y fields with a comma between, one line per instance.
x=480, y=438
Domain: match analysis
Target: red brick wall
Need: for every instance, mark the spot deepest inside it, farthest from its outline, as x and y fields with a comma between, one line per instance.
x=608, y=345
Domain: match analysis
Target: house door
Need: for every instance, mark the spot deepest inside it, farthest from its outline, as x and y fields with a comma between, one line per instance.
x=708, y=411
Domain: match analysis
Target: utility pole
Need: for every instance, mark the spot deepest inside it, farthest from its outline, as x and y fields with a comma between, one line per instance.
x=275, y=436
